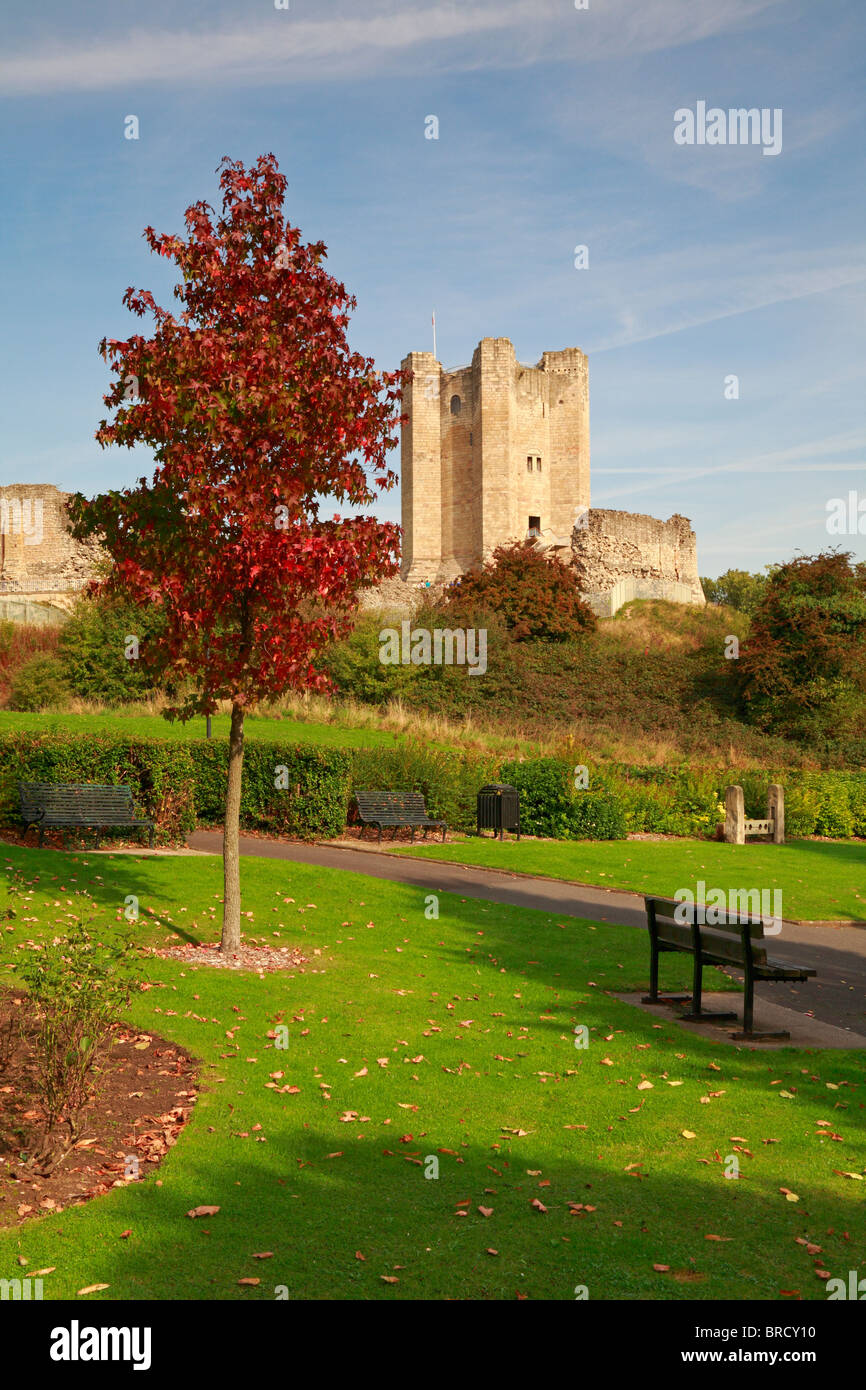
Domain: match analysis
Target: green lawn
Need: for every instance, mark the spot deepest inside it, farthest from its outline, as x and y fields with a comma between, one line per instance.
x=820, y=880
x=473, y=1016
x=288, y=731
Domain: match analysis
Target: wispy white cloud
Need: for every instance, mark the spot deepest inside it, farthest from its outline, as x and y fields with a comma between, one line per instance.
x=277, y=45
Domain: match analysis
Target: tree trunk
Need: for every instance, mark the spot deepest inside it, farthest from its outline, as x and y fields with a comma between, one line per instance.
x=231, y=937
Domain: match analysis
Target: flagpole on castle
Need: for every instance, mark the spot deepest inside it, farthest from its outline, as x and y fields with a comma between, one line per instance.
x=434, y=332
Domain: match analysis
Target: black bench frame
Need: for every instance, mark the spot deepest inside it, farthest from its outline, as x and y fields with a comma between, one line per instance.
x=398, y=809
x=735, y=940
x=78, y=806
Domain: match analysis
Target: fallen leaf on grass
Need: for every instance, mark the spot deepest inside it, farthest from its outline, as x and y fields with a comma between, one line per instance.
x=263, y=1255
x=537, y=1205
x=93, y=1288
x=203, y=1211
x=789, y=1195
x=689, y=1134
x=486, y=1211
x=389, y=1278
x=662, y=1269
x=718, y=1237
x=249, y=1281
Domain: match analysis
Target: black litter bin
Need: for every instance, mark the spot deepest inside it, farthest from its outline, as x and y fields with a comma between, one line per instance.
x=498, y=808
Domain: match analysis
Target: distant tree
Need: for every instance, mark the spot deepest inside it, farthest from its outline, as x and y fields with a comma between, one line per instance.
x=256, y=411
x=737, y=589
x=536, y=597
x=802, y=667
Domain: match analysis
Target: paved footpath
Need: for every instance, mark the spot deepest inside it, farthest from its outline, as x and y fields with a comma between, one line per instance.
x=837, y=996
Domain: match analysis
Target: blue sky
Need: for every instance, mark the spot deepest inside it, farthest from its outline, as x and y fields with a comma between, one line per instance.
x=555, y=130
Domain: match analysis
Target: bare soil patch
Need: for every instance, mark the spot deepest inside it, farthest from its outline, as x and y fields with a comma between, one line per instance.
x=146, y=1091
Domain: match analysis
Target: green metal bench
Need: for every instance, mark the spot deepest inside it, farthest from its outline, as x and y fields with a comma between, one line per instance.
x=78, y=806
x=736, y=939
x=397, y=809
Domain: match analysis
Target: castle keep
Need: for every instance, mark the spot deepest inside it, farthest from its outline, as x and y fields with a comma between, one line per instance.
x=498, y=452
x=491, y=452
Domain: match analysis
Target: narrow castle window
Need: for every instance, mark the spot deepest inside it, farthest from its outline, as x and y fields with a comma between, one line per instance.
x=534, y=526
x=538, y=465
x=455, y=405
x=529, y=463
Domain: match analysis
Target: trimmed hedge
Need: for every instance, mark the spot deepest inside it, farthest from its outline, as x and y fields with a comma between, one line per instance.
x=551, y=805
x=301, y=792
x=161, y=775
x=305, y=791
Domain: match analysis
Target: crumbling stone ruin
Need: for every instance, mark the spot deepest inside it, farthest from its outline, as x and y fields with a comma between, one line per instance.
x=497, y=452
x=39, y=560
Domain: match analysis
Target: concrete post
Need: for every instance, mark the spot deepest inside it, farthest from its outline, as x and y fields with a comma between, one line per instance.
x=735, y=816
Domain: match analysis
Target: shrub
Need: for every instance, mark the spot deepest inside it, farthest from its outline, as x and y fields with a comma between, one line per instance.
x=179, y=784
x=77, y=990
x=39, y=684
x=92, y=649
x=802, y=669
x=536, y=596
x=300, y=792
x=551, y=806
x=356, y=670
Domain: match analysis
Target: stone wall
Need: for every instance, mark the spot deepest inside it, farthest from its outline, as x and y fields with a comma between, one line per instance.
x=38, y=556
x=661, y=558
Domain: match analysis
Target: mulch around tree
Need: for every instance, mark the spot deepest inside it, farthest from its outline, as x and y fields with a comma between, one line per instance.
x=147, y=1089
x=262, y=959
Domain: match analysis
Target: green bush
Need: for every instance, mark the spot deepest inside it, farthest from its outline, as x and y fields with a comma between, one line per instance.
x=39, y=684
x=300, y=792
x=834, y=818
x=552, y=806
x=93, y=646
x=356, y=670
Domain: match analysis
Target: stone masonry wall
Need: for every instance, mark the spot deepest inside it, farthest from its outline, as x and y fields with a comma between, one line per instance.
x=37, y=553
x=610, y=546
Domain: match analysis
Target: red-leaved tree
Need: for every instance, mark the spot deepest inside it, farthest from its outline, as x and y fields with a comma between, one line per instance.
x=257, y=413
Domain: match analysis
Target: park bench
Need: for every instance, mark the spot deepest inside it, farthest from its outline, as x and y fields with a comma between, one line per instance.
x=737, y=939
x=397, y=809
x=78, y=806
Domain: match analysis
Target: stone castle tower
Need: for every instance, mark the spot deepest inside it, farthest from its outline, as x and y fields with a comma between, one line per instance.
x=491, y=452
